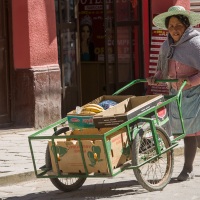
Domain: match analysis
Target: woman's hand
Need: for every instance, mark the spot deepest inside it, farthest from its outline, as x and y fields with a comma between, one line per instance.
x=151, y=80
x=181, y=80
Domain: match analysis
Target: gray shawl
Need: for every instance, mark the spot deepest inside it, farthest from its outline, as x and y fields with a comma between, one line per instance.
x=186, y=51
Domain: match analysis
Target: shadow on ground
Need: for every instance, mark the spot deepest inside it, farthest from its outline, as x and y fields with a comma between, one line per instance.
x=89, y=192
x=97, y=191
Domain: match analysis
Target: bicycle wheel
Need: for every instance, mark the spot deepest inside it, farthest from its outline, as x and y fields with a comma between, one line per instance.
x=63, y=184
x=156, y=174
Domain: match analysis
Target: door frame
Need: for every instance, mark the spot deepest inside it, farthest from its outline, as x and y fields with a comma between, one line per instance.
x=67, y=90
x=137, y=69
x=10, y=70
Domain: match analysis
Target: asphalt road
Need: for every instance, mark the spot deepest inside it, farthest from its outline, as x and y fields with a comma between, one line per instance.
x=123, y=186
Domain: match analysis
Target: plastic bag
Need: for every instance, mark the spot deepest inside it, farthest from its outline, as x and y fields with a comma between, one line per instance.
x=107, y=104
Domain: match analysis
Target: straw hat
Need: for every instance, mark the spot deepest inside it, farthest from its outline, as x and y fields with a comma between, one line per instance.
x=193, y=17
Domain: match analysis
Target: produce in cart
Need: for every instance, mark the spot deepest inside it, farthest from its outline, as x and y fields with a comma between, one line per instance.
x=89, y=109
x=78, y=120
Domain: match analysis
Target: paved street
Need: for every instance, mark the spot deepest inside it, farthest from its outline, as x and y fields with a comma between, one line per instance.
x=17, y=179
x=122, y=186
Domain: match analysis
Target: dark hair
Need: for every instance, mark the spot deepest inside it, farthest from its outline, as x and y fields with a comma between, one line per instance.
x=90, y=27
x=182, y=18
x=90, y=30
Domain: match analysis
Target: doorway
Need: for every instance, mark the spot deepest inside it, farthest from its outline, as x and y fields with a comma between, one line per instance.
x=115, y=57
x=117, y=37
x=5, y=101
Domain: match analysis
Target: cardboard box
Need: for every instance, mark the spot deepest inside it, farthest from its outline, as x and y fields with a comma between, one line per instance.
x=126, y=110
x=89, y=131
x=78, y=121
x=70, y=159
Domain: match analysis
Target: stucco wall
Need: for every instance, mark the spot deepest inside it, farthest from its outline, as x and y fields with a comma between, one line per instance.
x=162, y=6
x=37, y=92
x=34, y=33
x=184, y=3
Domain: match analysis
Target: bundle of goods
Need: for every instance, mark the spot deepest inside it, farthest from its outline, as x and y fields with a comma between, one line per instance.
x=93, y=109
x=82, y=116
x=89, y=109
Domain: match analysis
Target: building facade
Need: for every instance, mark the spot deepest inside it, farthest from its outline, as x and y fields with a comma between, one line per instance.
x=46, y=68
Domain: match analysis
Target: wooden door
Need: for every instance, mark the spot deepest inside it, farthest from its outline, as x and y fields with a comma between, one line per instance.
x=4, y=68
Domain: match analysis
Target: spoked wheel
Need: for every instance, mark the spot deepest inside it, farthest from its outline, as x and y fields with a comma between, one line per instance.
x=156, y=174
x=63, y=184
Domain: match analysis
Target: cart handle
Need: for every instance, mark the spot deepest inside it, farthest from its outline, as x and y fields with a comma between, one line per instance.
x=144, y=80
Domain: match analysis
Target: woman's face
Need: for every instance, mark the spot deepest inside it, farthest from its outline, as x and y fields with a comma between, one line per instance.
x=85, y=32
x=176, y=28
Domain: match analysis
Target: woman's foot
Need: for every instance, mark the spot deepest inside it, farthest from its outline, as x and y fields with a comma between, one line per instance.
x=184, y=176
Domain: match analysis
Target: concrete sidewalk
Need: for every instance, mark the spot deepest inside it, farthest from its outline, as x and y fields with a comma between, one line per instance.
x=15, y=160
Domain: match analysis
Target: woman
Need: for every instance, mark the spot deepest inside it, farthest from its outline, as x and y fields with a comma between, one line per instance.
x=87, y=46
x=179, y=58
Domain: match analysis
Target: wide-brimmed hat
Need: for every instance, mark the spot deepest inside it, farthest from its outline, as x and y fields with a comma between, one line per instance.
x=193, y=17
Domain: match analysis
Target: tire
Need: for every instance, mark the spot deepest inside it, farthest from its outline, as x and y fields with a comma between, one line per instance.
x=157, y=173
x=63, y=184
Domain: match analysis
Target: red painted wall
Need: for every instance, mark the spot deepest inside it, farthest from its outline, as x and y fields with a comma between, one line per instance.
x=184, y=3
x=162, y=6
x=145, y=24
x=34, y=33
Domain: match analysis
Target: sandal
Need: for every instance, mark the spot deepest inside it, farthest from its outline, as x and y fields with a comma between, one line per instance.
x=184, y=176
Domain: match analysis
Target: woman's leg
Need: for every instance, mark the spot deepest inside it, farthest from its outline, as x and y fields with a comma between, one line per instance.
x=198, y=141
x=190, y=148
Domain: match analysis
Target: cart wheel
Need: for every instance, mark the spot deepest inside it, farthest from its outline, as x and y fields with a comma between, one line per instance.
x=156, y=174
x=63, y=184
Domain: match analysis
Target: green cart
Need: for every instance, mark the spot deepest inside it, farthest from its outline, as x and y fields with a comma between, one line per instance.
x=147, y=147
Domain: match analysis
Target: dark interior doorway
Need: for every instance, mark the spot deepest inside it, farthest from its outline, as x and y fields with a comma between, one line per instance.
x=117, y=56
x=5, y=101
